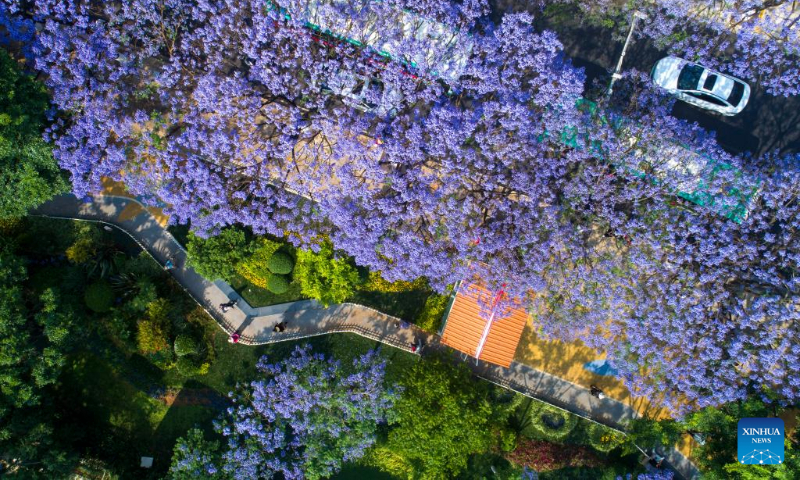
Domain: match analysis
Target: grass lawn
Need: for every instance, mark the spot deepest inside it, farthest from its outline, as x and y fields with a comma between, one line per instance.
x=105, y=413
x=405, y=305
x=261, y=297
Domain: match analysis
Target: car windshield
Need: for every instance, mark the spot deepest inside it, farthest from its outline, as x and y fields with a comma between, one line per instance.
x=736, y=94
x=690, y=77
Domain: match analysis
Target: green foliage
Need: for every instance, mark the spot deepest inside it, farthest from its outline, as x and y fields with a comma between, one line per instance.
x=603, y=439
x=255, y=268
x=442, y=418
x=325, y=278
x=376, y=283
x=153, y=331
x=716, y=459
x=648, y=433
x=218, y=256
x=280, y=263
x=189, y=366
x=430, y=319
x=29, y=175
x=99, y=297
x=546, y=422
x=277, y=284
x=82, y=250
x=33, y=344
x=185, y=345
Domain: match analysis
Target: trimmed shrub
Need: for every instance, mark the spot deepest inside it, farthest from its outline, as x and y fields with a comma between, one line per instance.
x=189, y=366
x=280, y=263
x=185, y=345
x=549, y=423
x=254, y=268
x=277, y=284
x=604, y=439
x=99, y=297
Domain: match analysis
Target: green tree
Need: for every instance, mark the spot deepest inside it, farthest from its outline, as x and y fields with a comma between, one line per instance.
x=218, y=256
x=29, y=175
x=647, y=432
x=35, y=335
x=324, y=277
x=443, y=417
x=717, y=458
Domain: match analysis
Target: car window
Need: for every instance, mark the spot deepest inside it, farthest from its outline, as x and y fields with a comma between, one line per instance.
x=711, y=80
x=690, y=77
x=736, y=94
x=708, y=98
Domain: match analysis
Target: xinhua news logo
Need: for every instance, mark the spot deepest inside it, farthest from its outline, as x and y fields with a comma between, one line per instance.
x=760, y=441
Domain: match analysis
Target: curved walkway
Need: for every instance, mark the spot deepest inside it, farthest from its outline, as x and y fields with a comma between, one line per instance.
x=309, y=318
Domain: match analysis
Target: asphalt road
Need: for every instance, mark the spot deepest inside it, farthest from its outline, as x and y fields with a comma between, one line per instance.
x=767, y=123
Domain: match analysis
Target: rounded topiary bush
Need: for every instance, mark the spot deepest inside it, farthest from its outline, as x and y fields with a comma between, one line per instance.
x=604, y=439
x=280, y=263
x=99, y=297
x=189, y=366
x=277, y=284
x=185, y=345
x=550, y=423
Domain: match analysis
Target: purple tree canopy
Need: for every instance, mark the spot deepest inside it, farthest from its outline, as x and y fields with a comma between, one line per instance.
x=219, y=109
x=306, y=417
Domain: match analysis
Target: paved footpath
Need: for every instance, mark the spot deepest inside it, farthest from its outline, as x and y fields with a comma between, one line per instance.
x=308, y=318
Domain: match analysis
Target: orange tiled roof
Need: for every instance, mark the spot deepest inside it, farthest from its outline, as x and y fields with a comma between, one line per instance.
x=465, y=326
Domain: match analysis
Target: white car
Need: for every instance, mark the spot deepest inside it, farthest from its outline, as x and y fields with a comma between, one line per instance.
x=700, y=86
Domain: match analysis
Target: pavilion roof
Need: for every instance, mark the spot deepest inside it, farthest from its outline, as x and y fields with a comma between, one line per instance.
x=483, y=327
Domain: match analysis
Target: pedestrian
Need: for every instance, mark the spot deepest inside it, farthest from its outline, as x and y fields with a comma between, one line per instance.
x=413, y=348
x=227, y=306
x=234, y=338
x=420, y=344
x=280, y=327
x=596, y=392
x=168, y=265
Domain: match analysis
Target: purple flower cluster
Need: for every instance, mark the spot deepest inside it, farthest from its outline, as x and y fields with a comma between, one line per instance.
x=306, y=417
x=216, y=108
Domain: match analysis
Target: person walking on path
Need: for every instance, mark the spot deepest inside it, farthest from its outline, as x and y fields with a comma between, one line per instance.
x=227, y=306
x=280, y=327
x=596, y=392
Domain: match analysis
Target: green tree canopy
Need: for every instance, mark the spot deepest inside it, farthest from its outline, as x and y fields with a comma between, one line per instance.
x=29, y=175
x=443, y=417
x=217, y=256
x=324, y=277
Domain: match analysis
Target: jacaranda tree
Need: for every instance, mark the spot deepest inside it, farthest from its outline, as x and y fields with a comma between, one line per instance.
x=484, y=165
x=306, y=417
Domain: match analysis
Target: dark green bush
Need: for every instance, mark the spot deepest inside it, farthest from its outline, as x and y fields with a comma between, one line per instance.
x=190, y=366
x=277, y=284
x=280, y=263
x=99, y=297
x=185, y=345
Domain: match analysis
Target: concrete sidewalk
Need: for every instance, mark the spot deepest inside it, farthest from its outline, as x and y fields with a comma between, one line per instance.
x=308, y=318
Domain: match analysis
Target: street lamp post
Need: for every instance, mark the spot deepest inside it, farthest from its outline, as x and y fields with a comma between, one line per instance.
x=615, y=76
